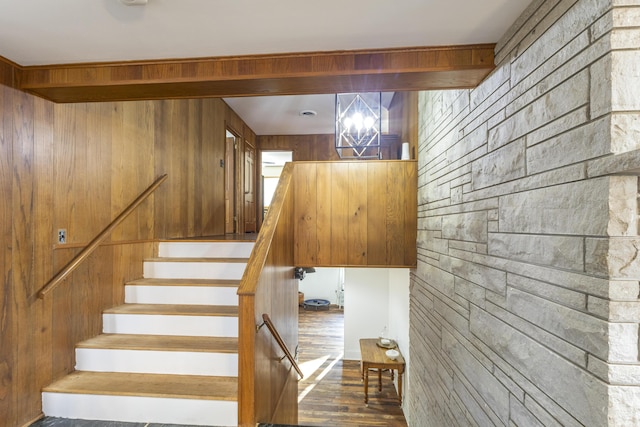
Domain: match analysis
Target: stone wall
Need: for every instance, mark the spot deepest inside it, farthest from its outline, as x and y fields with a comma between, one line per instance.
x=524, y=306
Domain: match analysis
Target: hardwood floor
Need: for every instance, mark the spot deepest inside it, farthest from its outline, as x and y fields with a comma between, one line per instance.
x=331, y=394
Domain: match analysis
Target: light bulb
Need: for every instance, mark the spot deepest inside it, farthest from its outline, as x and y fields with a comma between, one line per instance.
x=347, y=122
x=358, y=120
x=369, y=122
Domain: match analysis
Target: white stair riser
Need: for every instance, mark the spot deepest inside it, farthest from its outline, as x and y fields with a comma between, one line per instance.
x=193, y=270
x=205, y=249
x=197, y=326
x=140, y=409
x=157, y=362
x=190, y=295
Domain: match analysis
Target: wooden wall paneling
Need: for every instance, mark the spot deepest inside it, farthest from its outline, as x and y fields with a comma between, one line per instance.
x=182, y=147
x=320, y=147
x=64, y=149
x=7, y=72
x=98, y=167
x=172, y=200
x=62, y=327
x=411, y=213
x=340, y=220
x=78, y=214
x=249, y=187
x=23, y=243
x=194, y=177
x=395, y=213
x=131, y=130
x=403, y=119
x=45, y=237
x=247, y=361
x=305, y=213
x=213, y=152
x=239, y=181
x=161, y=151
x=277, y=296
x=304, y=147
x=268, y=287
x=358, y=214
x=127, y=265
x=323, y=213
x=8, y=316
x=376, y=213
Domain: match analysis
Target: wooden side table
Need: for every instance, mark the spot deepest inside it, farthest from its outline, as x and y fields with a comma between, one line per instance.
x=374, y=357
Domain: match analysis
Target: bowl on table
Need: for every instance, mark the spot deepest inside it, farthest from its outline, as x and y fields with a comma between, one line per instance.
x=392, y=354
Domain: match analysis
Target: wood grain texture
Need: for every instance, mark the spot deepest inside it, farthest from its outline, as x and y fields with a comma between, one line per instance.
x=8, y=71
x=388, y=70
x=8, y=315
x=403, y=119
x=332, y=393
x=150, y=385
x=268, y=286
x=368, y=214
x=74, y=166
x=319, y=148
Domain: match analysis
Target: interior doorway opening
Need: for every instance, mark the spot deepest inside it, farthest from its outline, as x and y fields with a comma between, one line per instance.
x=271, y=165
x=230, y=183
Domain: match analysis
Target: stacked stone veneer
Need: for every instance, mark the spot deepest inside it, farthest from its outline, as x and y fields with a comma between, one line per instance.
x=524, y=306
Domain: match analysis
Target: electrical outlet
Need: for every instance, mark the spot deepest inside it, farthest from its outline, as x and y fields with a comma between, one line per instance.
x=62, y=235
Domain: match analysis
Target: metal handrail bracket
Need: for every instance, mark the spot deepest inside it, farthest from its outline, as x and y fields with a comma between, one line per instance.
x=281, y=343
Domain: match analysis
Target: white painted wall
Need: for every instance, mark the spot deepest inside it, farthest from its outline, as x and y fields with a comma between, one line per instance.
x=321, y=285
x=399, y=316
x=375, y=298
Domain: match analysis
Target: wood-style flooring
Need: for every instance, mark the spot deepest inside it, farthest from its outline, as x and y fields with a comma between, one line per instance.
x=332, y=393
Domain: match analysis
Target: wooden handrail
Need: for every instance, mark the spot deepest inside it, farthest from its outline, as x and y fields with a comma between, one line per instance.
x=283, y=346
x=258, y=258
x=88, y=250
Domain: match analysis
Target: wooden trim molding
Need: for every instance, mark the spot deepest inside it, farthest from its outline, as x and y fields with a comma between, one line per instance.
x=8, y=72
x=400, y=69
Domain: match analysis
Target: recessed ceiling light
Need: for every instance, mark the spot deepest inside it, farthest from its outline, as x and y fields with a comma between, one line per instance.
x=308, y=113
x=134, y=2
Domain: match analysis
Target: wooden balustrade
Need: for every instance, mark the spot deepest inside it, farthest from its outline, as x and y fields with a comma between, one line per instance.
x=267, y=391
x=322, y=214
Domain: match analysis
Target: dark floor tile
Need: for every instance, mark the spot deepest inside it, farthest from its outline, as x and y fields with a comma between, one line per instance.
x=66, y=422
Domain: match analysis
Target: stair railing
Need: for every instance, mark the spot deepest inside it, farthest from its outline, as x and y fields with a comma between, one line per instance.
x=88, y=250
x=272, y=328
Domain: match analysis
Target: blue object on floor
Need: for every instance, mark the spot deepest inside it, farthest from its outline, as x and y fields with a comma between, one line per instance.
x=317, y=303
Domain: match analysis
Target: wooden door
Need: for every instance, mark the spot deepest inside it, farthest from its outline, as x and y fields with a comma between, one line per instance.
x=230, y=184
x=250, y=213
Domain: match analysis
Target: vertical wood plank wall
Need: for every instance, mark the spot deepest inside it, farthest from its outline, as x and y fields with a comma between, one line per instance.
x=76, y=166
x=267, y=386
x=321, y=147
x=355, y=213
x=322, y=214
x=403, y=119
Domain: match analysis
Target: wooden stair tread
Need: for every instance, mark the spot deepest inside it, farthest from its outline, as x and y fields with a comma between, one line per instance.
x=175, y=310
x=148, y=385
x=186, y=282
x=228, y=238
x=162, y=343
x=216, y=260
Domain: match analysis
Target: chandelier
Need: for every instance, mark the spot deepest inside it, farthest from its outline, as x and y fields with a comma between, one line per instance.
x=358, y=125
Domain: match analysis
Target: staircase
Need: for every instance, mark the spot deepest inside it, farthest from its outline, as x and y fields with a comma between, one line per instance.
x=168, y=355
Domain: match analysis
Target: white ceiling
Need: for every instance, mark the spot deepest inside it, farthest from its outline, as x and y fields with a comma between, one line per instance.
x=43, y=32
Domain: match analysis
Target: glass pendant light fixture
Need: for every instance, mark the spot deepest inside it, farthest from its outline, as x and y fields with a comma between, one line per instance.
x=358, y=125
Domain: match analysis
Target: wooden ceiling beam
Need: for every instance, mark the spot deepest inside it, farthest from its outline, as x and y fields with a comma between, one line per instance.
x=420, y=68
